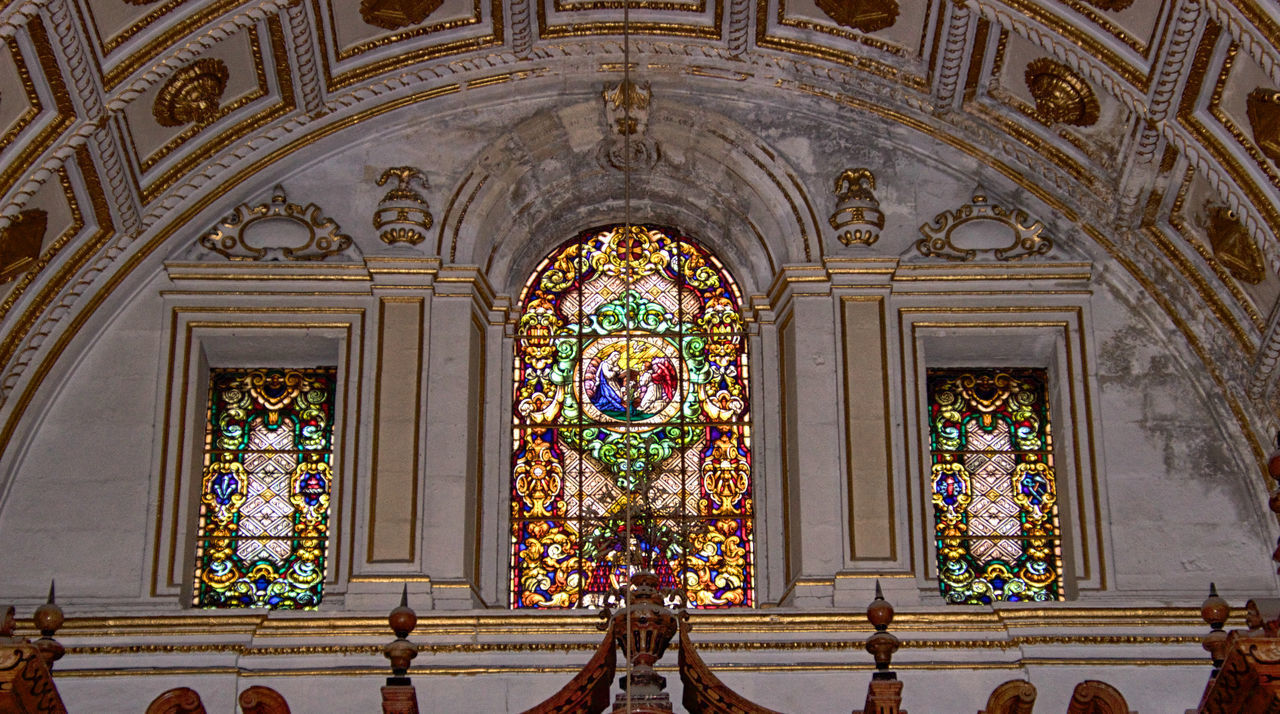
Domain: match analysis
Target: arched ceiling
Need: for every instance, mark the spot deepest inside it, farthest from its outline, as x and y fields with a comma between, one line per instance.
x=1150, y=126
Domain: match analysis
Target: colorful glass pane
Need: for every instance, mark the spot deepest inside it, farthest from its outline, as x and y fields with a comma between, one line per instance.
x=632, y=440
x=264, y=507
x=992, y=485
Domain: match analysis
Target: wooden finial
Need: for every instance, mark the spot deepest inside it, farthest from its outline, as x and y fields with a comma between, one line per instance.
x=881, y=644
x=1215, y=612
x=48, y=618
x=401, y=651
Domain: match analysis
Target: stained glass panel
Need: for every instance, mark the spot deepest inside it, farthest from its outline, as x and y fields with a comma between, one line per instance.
x=264, y=507
x=993, y=488
x=632, y=440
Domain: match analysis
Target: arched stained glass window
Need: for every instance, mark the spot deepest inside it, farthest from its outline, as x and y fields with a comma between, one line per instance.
x=632, y=440
x=992, y=482
x=264, y=505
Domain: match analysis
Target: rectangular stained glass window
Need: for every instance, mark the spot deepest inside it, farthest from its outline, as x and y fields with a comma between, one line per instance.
x=264, y=504
x=993, y=487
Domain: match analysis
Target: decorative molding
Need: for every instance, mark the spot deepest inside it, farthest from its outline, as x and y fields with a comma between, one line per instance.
x=1062, y=96
x=403, y=215
x=1233, y=247
x=192, y=95
x=121, y=188
x=1263, y=108
x=395, y=14
x=939, y=237
x=953, y=57
x=75, y=51
x=1171, y=73
x=522, y=28
x=229, y=237
x=857, y=210
x=305, y=48
x=861, y=15
x=739, y=26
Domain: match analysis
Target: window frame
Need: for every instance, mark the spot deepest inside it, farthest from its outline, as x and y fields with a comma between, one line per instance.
x=201, y=337
x=1048, y=337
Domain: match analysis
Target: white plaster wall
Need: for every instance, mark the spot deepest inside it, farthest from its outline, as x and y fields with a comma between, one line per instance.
x=1187, y=505
x=78, y=509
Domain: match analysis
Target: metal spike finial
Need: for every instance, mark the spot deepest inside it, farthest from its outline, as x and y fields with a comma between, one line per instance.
x=404, y=596
x=879, y=592
x=51, y=587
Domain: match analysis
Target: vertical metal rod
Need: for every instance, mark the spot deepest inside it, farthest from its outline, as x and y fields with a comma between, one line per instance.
x=627, y=283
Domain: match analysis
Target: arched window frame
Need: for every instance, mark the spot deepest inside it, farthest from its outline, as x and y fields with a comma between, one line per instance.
x=722, y=326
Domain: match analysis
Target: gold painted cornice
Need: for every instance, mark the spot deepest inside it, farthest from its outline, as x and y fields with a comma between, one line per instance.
x=520, y=625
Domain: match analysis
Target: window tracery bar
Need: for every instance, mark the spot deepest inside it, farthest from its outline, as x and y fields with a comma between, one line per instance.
x=264, y=507
x=993, y=487
x=631, y=407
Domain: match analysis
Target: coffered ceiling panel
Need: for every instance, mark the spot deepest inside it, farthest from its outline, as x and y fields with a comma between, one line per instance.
x=1215, y=108
x=1122, y=40
x=1128, y=25
x=234, y=87
x=685, y=18
x=892, y=38
x=364, y=39
x=34, y=105
x=1216, y=235
x=1050, y=99
x=58, y=214
x=127, y=35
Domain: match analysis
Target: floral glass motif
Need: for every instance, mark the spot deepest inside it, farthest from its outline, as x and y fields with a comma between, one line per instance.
x=992, y=486
x=264, y=506
x=632, y=441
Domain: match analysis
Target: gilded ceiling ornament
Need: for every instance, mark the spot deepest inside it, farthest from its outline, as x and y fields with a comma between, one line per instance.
x=857, y=210
x=861, y=15
x=1233, y=247
x=21, y=242
x=1263, y=106
x=626, y=111
x=394, y=14
x=192, y=94
x=1062, y=96
x=402, y=215
x=277, y=230
x=982, y=227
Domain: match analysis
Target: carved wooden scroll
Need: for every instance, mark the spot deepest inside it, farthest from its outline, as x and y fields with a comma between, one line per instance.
x=25, y=684
x=180, y=700
x=588, y=692
x=1017, y=696
x=1094, y=697
x=704, y=693
x=262, y=700
x=1249, y=681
